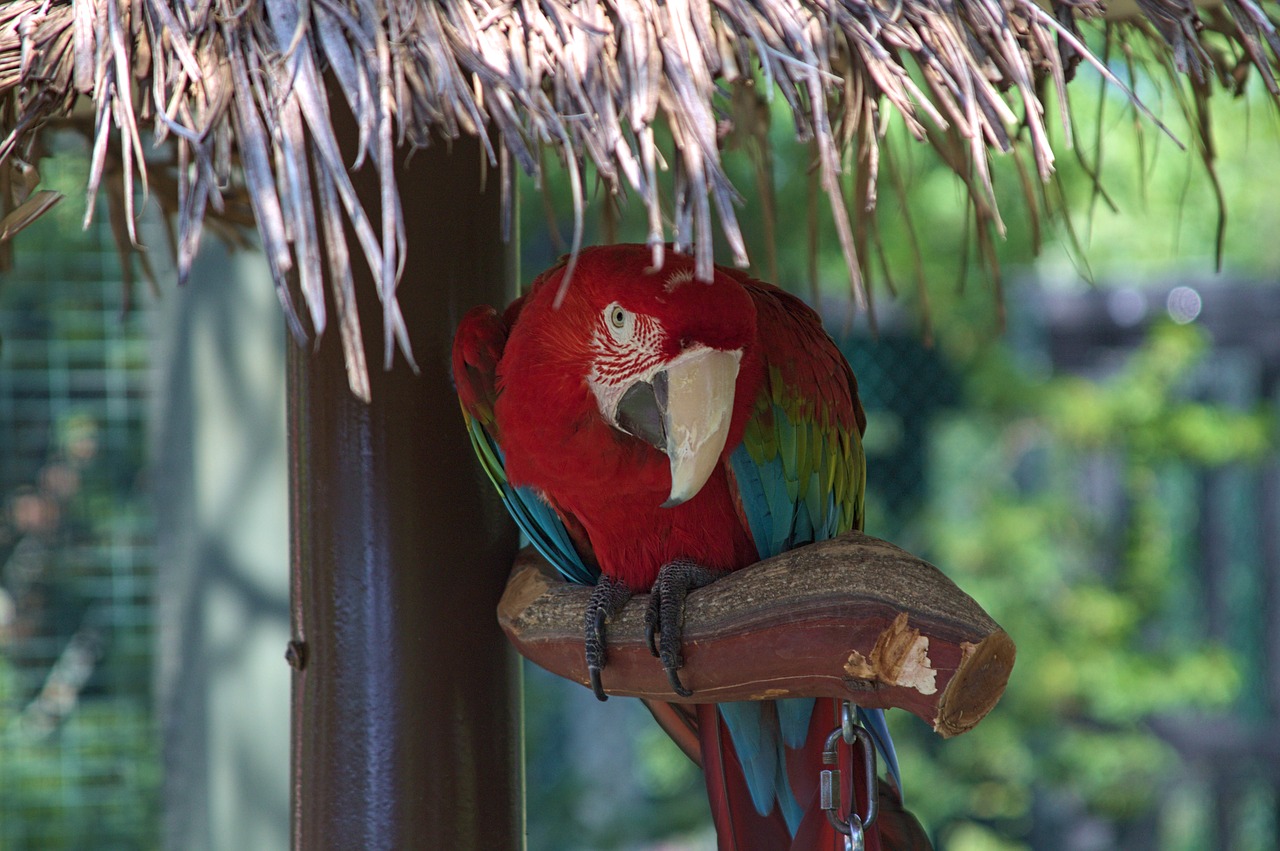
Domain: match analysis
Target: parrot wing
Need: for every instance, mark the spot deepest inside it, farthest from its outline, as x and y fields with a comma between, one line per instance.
x=477, y=350
x=800, y=469
x=800, y=477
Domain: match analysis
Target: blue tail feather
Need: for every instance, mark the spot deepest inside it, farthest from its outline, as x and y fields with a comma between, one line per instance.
x=873, y=720
x=757, y=748
x=793, y=719
x=759, y=736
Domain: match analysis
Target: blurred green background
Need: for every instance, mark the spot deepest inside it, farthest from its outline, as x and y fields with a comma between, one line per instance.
x=1099, y=471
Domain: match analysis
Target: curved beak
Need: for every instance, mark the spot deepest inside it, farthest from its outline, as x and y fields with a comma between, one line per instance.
x=684, y=410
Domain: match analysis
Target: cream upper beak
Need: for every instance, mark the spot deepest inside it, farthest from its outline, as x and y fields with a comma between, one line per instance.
x=683, y=409
x=699, y=407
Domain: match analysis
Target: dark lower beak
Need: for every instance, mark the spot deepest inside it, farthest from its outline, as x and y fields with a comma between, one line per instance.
x=642, y=412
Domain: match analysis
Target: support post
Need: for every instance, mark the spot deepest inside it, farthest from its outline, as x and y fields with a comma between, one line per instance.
x=405, y=694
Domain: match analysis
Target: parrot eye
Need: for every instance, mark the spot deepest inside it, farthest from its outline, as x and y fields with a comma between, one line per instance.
x=621, y=321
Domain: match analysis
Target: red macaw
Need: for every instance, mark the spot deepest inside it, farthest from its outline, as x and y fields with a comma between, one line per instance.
x=649, y=433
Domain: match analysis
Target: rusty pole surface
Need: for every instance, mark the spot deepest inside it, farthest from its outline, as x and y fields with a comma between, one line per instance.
x=405, y=696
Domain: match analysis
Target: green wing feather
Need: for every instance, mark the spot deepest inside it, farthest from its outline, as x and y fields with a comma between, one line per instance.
x=800, y=469
x=801, y=477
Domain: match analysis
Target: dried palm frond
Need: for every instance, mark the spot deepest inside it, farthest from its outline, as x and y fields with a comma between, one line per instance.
x=238, y=89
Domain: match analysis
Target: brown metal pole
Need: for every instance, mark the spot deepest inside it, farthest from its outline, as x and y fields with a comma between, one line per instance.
x=405, y=698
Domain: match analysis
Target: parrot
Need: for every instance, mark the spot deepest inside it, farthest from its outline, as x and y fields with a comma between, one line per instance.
x=651, y=432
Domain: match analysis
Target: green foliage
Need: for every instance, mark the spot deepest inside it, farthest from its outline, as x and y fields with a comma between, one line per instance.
x=603, y=776
x=92, y=783
x=1134, y=411
x=80, y=762
x=1010, y=522
x=1095, y=595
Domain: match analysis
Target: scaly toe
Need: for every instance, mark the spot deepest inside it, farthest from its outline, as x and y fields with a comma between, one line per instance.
x=607, y=599
x=652, y=616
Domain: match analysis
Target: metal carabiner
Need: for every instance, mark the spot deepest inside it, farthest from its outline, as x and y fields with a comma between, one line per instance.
x=847, y=721
x=851, y=729
x=829, y=783
x=829, y=780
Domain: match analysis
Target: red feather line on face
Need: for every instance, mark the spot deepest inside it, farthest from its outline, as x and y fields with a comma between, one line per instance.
x=615, y=360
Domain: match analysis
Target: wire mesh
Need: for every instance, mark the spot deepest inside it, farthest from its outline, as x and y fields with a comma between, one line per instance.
x=79, y=761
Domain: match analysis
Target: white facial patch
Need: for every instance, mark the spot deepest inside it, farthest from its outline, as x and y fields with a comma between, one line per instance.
x=623, y=355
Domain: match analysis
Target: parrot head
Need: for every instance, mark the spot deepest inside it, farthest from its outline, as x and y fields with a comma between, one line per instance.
x=657, y=356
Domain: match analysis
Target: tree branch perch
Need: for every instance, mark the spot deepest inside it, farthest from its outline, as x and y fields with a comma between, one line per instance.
x=854, y=618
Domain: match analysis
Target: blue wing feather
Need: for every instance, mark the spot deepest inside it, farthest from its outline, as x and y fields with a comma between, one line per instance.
x=800, y=480
x=755, y=749
x=537, y=520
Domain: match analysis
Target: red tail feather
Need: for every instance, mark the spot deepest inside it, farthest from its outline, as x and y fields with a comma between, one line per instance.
x=804, y=766
x=899, y=830
x=738, y=826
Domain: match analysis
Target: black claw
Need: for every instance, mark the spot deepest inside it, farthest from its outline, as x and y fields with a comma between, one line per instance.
x=596, y=686
x=594, y=669
x=672, y=662
x=676, y=685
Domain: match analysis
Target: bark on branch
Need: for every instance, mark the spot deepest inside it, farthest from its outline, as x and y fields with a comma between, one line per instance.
x=854, y=618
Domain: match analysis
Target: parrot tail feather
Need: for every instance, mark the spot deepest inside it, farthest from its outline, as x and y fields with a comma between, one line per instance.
x=802, y=824
x=739, y=826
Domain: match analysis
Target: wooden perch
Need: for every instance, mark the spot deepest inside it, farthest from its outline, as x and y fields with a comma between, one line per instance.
x=854, y=618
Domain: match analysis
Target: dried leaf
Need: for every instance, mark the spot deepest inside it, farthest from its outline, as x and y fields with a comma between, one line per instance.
x=36, y=205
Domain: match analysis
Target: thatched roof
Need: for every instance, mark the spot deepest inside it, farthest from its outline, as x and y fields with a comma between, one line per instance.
x=235, y=89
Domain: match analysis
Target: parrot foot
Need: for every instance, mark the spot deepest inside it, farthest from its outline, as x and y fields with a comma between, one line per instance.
x=607, y=600
x=664, y=618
